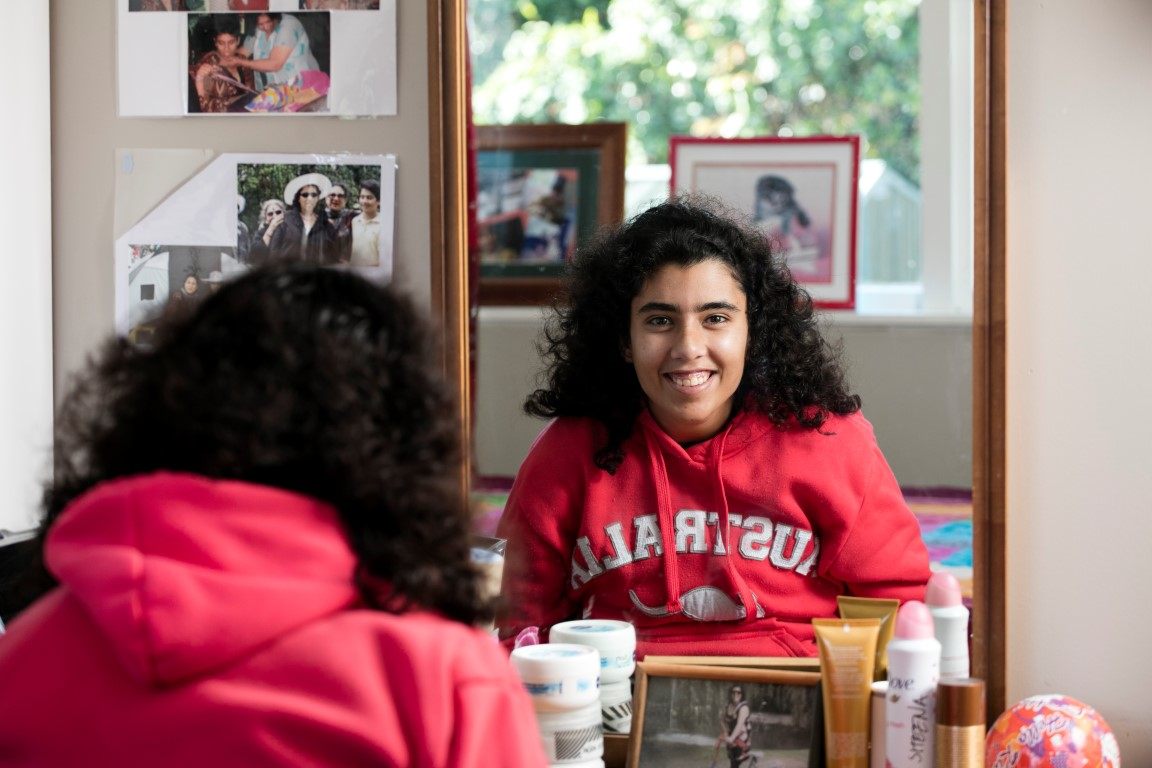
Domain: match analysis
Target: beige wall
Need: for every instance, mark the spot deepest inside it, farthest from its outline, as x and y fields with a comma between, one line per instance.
x=915, y=377
x=86, y=134
x=1080, y=358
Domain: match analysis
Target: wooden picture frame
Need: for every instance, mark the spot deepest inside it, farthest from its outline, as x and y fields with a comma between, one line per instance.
x=801, y=191
x=678, y=710
x=541, y=190
x=792, y=663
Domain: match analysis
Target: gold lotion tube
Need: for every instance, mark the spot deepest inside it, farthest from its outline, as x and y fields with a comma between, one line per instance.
x=882, y=608
x=847, y=657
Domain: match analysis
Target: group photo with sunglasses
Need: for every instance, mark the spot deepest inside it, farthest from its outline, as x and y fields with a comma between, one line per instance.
x=321, y=213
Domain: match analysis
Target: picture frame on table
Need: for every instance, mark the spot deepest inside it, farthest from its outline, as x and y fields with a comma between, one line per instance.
x=542, y=190
x=793, y=663
x=685, y=714
x=802, y=191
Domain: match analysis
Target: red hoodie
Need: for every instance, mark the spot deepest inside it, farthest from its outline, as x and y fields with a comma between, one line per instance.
x=208, y=623
x=728, y=547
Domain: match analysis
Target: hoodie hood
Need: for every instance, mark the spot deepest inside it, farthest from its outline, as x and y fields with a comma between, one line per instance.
x=184, y=575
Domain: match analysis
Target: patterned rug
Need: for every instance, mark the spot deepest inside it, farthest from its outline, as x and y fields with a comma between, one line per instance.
x=945, y=516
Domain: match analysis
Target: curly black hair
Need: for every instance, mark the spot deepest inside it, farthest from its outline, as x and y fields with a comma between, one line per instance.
x=791, y=374
x=304, y=378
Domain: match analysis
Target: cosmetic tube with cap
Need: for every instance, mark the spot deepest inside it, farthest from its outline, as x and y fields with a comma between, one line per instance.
x=950, y=618
x=847, y=651
x=852, y=607
x=876, y=737
x=960, y=723
x=913, y=672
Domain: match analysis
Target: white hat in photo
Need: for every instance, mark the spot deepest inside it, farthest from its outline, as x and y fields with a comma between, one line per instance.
x=318, y=180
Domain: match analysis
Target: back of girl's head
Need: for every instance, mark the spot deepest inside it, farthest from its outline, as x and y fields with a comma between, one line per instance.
x=789, y=367
x=308, y=379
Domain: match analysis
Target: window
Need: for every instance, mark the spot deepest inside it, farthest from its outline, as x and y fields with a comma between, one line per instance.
x=895, y=72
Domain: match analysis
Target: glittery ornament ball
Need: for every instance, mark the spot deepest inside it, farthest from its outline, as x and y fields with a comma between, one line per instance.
x=1051, y=732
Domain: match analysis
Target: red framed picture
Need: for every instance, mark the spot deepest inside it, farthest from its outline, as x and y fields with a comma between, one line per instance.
x=801, y=191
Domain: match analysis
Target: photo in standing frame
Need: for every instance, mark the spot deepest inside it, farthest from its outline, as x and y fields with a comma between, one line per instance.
x=686, y=716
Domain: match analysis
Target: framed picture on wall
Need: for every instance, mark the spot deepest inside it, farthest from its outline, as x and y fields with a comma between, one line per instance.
x=687, y=714
x=540, y=191
x=801, y=191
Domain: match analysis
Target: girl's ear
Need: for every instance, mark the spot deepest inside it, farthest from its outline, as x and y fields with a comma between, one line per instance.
x=626, y=351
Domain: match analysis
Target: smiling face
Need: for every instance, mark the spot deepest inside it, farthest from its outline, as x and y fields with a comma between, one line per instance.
x=688, y=335
x=336, y=198
x=369, y=204
x=265, y=24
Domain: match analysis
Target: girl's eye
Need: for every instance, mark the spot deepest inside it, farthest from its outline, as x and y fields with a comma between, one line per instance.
x=715, y=319
x=659, y=320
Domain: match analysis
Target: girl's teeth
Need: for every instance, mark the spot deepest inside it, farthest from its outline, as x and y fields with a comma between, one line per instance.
x=690, y=380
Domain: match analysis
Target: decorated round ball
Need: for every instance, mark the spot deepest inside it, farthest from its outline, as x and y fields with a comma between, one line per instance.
x=1051, y=732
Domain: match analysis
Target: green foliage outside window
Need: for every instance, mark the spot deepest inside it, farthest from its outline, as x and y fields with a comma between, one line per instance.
x=705, y=68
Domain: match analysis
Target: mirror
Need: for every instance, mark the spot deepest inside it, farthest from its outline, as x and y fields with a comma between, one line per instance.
x=448, y=94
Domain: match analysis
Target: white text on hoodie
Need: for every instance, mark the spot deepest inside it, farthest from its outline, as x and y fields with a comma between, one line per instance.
x=781, y=544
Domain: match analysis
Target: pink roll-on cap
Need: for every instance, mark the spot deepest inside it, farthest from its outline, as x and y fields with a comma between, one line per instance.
x=914, y=621
x=943, y=590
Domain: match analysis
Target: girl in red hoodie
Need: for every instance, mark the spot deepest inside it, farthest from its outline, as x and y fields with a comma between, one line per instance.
x=259, y=555
x=707, y=475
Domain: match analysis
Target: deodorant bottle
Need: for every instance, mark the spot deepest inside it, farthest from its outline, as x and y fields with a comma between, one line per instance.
x=950, y=619
x=913, y=672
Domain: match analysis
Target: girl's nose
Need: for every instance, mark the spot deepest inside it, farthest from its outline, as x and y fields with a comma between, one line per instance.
x=689, y=342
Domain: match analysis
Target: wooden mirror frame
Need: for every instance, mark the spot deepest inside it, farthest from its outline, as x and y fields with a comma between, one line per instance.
x=447, y=107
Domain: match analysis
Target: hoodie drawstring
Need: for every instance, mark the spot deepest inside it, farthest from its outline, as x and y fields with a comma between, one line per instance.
x=666, y=519
x=747, y=597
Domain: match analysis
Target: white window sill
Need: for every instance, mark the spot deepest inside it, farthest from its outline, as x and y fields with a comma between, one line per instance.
x=894, y=304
